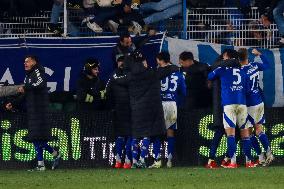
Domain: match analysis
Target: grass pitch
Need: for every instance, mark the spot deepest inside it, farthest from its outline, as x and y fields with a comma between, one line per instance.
x=189, y=177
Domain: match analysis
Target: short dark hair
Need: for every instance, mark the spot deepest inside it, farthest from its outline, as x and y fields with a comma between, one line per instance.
x=124, y=35
x=165, y=56
x=231, y=53
x=243, y=54
x=33, y=57
x=186, y=55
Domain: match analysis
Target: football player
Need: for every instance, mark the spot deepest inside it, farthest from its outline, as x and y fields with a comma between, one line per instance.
x=255, y=103
x=172, y=87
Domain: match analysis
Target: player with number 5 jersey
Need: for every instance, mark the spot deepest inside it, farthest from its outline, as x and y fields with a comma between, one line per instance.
x=233, y=94
x=255, y=105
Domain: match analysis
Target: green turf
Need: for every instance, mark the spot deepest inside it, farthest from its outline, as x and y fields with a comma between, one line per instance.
x=272, y=177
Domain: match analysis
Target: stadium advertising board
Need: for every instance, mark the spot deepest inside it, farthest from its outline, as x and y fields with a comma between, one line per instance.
x=88, y=140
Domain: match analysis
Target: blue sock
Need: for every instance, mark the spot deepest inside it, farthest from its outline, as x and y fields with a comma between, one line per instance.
x=171, y=146
x=145, y=147
x=264, y=140
x=247, y=147
x=119, y=143
x=157, y=148
x=255, y=144
x=232, y=147
x=128, y=148
x=39, y=150
x=134, y=149
x=215, y=142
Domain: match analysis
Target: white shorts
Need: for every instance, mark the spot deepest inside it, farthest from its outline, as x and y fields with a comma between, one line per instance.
x=235, y=115
x=170, y=113
x=256, y=114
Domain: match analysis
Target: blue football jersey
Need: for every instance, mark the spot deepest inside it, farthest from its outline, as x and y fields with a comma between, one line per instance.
x=172, y=87
x=233, y=84
x=254, y=92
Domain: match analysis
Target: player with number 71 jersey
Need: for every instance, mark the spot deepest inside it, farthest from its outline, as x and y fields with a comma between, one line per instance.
x=255, y=103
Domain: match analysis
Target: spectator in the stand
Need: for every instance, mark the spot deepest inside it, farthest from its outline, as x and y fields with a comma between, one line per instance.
x=90, y=89
x=118, y=96
x=227, y=37
x=99, y=12
x=131, y=21
x=198, y=92
x=156, y=11
x=272, y=10
x=257, y=35
x=56, y=28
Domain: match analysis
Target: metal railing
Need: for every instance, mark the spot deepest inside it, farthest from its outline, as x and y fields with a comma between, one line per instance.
x=37, y=25
x=229, y=26
x=214, y=25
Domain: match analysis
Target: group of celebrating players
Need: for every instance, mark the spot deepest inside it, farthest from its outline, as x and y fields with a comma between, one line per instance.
x=241, y=104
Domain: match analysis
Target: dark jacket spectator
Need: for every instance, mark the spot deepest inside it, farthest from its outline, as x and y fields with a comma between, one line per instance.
x=198, y=93
x=118, y=95
x=266, y=7
x=90, y=89
x=36, y=97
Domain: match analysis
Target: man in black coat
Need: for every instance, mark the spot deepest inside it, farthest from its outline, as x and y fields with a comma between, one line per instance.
x=90, y=89
x=36, y=96
x=198, y=92
x=118, y=96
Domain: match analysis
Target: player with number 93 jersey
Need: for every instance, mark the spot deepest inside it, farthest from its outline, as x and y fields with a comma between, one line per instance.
x=172, y=88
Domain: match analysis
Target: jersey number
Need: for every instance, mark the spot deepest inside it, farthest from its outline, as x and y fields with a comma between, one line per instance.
x=165, y=85
x=254, y=78
x=236, y=72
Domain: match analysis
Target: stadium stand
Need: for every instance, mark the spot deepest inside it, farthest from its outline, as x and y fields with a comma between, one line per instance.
x=215, y=25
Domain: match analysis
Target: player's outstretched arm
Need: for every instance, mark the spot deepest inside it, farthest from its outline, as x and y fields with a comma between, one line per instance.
x=264, y=65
